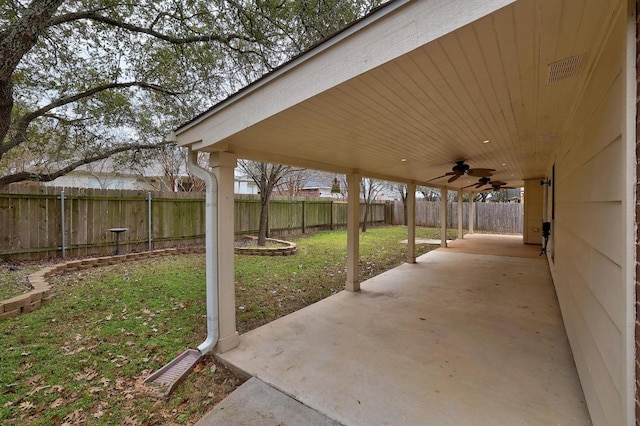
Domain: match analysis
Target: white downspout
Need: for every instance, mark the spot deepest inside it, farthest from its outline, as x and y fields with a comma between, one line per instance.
x=211, y=249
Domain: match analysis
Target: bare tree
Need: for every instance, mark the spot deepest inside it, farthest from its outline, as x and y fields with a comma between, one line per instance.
x=266, y=176
x=293, y=182
x=369, y=191
x=429, y=194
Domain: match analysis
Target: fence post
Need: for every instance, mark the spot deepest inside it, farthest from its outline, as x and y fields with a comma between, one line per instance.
x=149, y=221
x=303, y=217
x=331, y=216
x=63, y=225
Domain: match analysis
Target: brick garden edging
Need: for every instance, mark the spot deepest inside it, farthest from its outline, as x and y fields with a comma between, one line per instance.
x=288, y=248
x=41, y=290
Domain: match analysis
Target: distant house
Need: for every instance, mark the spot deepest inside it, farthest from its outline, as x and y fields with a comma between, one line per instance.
x=244, y=184
x=316, y=189
x=105, y=174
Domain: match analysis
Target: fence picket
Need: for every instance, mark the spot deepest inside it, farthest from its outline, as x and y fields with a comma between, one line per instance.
x=504, y=218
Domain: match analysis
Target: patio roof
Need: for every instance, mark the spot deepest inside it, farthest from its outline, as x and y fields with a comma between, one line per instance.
x=417, y=85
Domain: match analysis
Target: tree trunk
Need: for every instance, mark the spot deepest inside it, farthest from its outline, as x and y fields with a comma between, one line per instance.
x=6, y=105
x=366, y=215
x=264, y=219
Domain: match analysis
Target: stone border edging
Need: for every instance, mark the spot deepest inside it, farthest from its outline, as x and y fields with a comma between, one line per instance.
x=288, y=248
x=41, y=290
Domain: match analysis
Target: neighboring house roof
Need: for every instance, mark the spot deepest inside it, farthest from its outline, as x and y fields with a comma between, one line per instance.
x=316, y=185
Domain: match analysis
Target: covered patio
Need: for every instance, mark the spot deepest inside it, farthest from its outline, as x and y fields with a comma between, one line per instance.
x=458, y=338
x=534, y=93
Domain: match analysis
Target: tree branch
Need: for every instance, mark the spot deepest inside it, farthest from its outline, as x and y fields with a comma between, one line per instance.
x=48, y=177
x=25, y=121
x=92, y=16
x=15, y=42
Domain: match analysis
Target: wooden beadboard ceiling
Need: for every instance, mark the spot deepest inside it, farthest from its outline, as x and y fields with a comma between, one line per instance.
x=437, y=104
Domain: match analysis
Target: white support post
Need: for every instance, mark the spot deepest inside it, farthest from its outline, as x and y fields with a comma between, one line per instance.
x=353, y=232
x=471, y=212
x=223, y=165
x=411, y=223
x=460, y=233
x=443, y=217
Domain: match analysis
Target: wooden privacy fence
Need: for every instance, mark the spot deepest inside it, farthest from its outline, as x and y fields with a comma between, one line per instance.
x=287, y=216
x=502, y=218
x=32, y=223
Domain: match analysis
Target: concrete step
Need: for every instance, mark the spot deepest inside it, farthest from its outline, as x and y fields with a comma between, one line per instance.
x=257, y=404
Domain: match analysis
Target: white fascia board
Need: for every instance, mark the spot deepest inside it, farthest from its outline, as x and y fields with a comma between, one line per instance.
x=385, y=35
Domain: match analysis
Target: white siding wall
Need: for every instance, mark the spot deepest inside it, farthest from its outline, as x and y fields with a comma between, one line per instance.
x=589, y=245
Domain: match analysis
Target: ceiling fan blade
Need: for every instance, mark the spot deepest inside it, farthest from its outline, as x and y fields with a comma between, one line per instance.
x=440, y=177
x=480, y=172
x=454, y=178
x=469, y=186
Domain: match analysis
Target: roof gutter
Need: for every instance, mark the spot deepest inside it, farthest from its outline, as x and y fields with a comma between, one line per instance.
x=211, y=247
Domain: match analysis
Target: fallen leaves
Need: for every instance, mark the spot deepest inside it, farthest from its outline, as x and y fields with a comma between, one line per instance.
x=87, y=365
x=30, y=381
x=74, y=418
x=99, y=412
x=57, y=403
x=26, y=405
x=88, y=374
x=54, y=389
x=37, y=389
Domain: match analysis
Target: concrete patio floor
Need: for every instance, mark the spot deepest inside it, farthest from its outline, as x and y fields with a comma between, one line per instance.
x=459, y=338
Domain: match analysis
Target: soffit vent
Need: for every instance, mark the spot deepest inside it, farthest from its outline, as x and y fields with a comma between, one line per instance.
x=564, y=69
